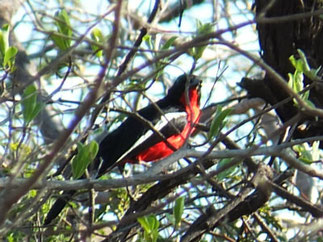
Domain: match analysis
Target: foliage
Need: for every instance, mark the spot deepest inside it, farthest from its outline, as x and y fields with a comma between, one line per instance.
x=73, y=69
x=7, y=53
x=85, y=155
x=64, y=30
x=296, y=80
x=218, y=121
x=150, y=224
x=30, y=105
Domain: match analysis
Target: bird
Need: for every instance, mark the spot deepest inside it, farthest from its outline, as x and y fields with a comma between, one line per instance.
x=151, y=134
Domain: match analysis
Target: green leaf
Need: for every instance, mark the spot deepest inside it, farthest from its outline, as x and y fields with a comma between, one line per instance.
x=4, y=39
x=144, y=223
x=296, y=80
x=227, y=172
x=93, y=148
x=301, y=65
x=37, y=108
x=63, y=23
x=202, y=29
x=160, y=65
x=63, y=40
x=30, y=105
x=85, y=155
x=178, y=210
x=169, y=43
x=303, y=61
x=292, y=60
x=304, y=152
x=97, y=36
x=59, y=41
x=307, y=153
x=150, y=224
x=78, y=162
x=9, y=58
x=218, y=121
x=2, y=45
x=147, y=38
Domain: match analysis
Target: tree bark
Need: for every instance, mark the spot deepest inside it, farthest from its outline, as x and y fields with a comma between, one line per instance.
x=278, y=41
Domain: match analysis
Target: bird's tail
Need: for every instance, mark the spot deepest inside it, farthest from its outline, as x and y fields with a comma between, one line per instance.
x=58, y=206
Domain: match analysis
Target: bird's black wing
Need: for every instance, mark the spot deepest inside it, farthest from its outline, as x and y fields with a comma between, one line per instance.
x=121, y=140
x=169, y=125
x=110, y=149
x=124, y=138
x=58, y=206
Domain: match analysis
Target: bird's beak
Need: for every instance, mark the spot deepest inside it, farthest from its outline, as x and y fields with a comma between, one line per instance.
x=195, y=82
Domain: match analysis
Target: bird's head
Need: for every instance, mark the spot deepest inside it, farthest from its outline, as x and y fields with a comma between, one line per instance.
x=184, y=83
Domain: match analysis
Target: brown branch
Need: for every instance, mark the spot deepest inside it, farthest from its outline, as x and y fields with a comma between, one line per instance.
x=303, y=106
x=265, y=227
x=239, y=206
x=299, y=201
x=13, y=195
x=138, y=41
x=177, y=9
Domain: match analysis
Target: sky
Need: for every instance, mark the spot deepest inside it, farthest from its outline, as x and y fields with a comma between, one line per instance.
x=246, y=39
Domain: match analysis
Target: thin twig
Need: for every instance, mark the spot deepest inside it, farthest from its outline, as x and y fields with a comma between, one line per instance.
x=13, y=195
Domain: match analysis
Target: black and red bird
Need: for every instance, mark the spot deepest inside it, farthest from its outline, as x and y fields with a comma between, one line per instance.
x=172, y=120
